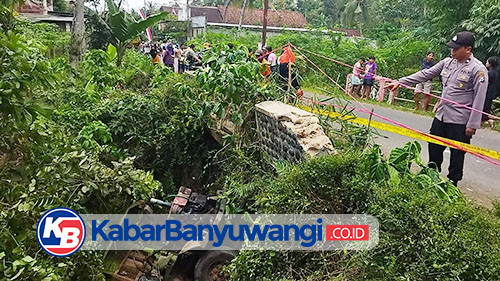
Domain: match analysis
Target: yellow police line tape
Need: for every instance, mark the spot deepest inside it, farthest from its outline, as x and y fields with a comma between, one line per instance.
x=403, y=131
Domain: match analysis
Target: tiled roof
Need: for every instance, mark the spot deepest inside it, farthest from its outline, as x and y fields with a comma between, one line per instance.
x=279, y=18
x=31, y=7
x=211, y=13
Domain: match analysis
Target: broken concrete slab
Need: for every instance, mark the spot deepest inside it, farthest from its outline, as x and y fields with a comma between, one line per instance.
x=289, y=133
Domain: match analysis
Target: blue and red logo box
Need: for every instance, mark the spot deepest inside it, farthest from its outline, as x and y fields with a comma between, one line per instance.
x=60, y=232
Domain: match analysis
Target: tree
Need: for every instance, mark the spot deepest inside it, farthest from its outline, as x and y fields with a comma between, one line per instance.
x=124, y=28
x=77, y=34
x=403, y=14
x=7, y=18
x=226, y=6
x=289, y=5
x=150, y=8
x=59, y=5
x=485, y=23
x=446, y=17
x=356, y=14
x=98, y=33
x=333, y=10
x=242, y=14
x=313, y=11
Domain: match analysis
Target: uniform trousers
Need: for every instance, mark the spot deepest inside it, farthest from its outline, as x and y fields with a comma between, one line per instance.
x=454, y=132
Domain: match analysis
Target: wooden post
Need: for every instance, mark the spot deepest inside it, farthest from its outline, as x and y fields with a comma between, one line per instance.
x=289, y=72
x=381, y=92
x=370, y=119
x=368, y=128
x=264, y=23
x=289, y=76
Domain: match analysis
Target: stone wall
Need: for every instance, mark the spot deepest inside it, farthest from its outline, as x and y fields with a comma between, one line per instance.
x=288, y=133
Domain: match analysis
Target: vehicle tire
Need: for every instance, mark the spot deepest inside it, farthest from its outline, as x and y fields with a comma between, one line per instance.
x=209, y=266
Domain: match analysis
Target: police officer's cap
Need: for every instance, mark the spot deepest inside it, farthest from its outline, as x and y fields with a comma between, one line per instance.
x=462, y=39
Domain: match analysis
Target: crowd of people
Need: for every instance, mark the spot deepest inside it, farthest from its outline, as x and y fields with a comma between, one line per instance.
x=182, y=58
x=179, y=57
x=282, y=67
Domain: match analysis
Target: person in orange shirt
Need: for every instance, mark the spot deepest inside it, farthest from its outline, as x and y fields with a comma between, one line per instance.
x=287, y=63
x=265, y=67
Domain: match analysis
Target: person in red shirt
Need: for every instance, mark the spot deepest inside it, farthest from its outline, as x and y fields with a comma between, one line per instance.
x=287, y=64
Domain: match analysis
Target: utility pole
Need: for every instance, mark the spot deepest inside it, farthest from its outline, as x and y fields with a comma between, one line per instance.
x=264, y=23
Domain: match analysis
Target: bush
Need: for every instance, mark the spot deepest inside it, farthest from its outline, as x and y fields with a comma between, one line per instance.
x=60, y=155
x=100, y=69
x=162, y=130
x=423, y=237
x=137, y=70
x=426, y=238
x=324, y=185
x=60, y=169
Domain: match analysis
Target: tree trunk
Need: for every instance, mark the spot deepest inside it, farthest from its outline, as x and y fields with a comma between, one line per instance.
x=264, y=23
x=242, y=15
x=226, y=5
x=77, y=34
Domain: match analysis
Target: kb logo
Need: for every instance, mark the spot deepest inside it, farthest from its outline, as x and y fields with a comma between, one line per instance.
x=60, y=232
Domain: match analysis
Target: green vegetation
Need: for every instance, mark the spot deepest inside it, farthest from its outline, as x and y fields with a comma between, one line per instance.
x=429, y=232
x=100, y=138
x=103, y=136
x=399, y=56
x=123, y=28
x=423, y=237
x=425, y=20
x=56, y=151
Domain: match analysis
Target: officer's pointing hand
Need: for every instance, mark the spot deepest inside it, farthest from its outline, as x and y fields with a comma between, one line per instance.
x=470, y=132
x=392, y=86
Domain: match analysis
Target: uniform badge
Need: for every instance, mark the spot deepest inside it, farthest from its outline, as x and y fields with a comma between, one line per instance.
x=481, y=77
x=461, y=85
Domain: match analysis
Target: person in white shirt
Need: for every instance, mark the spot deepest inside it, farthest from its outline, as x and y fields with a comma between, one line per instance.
x=357, y=77
x=272, y=59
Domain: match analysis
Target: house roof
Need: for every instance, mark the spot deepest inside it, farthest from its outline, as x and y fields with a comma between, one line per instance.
x=38, y=17
x=349, y=32
x=211, y=13
x=31, y=7
x=253, y=17
x=279, y=18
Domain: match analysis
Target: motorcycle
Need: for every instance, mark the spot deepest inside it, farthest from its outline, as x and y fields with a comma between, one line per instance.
x=189, y=264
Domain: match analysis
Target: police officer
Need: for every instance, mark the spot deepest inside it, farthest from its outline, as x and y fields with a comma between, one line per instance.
x=465, y=81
